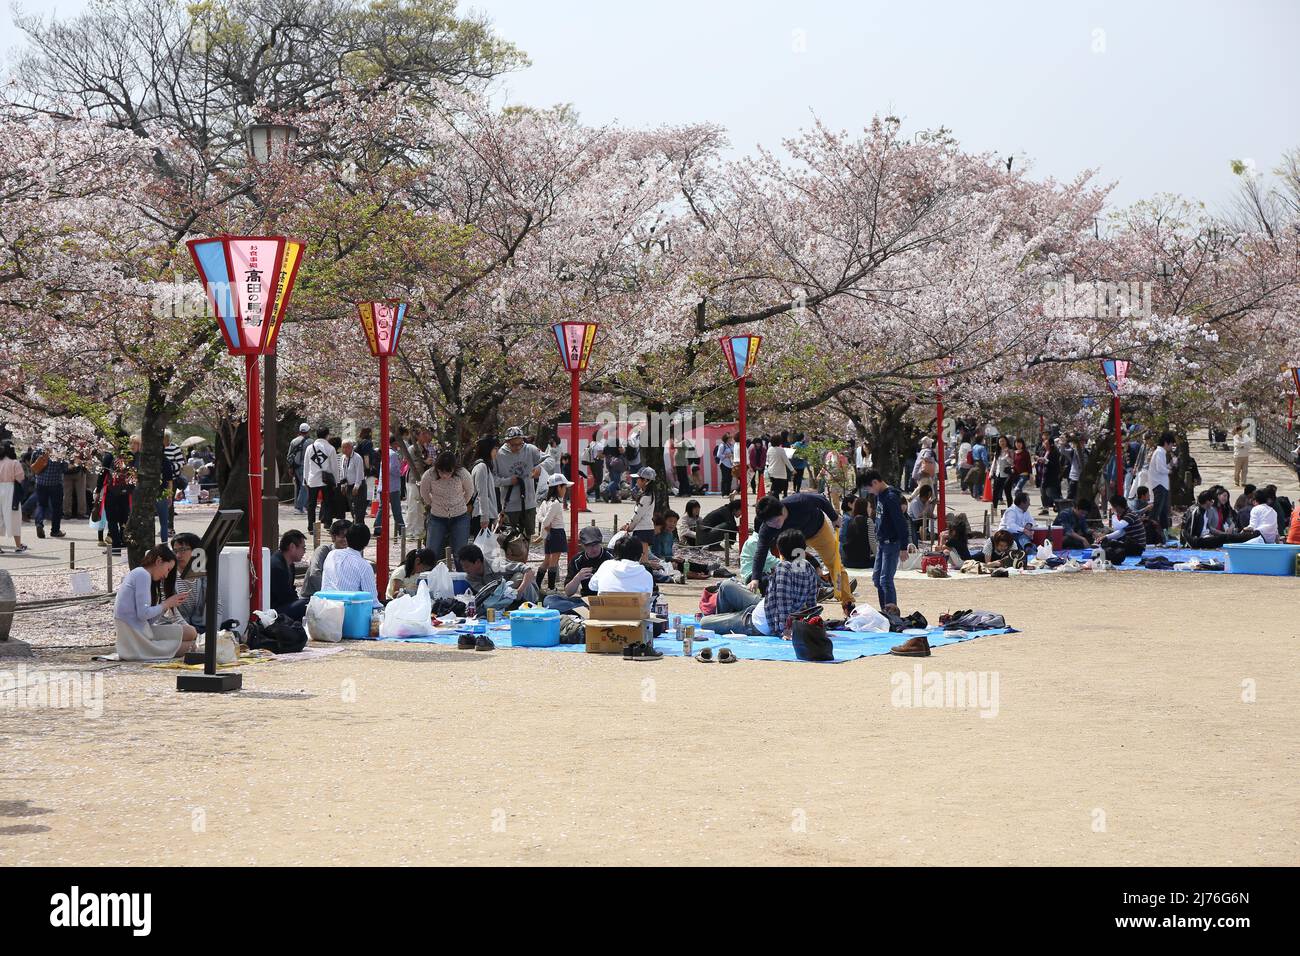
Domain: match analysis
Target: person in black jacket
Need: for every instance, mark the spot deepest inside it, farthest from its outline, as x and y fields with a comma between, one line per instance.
x=718, y=525
x=284, y=596
x=857, y=536
x=891, y=535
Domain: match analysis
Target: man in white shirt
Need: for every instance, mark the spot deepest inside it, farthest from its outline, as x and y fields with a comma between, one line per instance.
x=353, y=481
x=1018, y=521
x=1158, y=479
x=624, y=574
x=347, y=569
x=1263, y=517
x=321, y=462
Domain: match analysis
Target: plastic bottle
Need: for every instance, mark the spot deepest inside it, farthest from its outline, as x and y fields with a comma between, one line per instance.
x=470, y=609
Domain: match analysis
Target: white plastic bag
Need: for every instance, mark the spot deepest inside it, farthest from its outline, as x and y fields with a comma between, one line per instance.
x=487, y=543
x=866, y=618
x=439, y=583
x=408, y=615
x=1044, y=552
x=227, y=647
x=324, y=619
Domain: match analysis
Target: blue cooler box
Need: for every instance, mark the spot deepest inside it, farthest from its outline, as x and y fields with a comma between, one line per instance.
x=357, y=608
x=1273, y=559
x=459, y=583
x=534, y=627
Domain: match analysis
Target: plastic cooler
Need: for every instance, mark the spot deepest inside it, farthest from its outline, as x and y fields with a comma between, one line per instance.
x=534, y=627
x=357, y=607
x=1278, y=560
x=459, y=582
x=1054, y=534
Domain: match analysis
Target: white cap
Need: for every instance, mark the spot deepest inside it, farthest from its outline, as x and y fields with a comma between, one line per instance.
x=647, y=473
x=556, y=480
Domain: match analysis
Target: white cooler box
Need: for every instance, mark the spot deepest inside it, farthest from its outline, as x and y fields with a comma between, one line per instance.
x=232, y=597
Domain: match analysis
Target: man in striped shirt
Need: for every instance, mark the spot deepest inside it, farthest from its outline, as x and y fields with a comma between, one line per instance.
x=1128, y=536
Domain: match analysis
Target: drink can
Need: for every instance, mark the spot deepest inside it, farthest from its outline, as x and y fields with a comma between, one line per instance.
x=491, y=615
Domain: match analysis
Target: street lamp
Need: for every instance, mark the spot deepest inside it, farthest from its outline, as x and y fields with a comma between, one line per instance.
x=575, y=341
x=741, y=351
x=268, y=141
x=382, y=323
x=249, y=280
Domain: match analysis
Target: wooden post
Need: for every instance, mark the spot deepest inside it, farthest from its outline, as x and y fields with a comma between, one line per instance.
x=451, y=566
x=987, y=524
x=109, y=587
x=402, y=556
x=72, y=555
x=315, y=536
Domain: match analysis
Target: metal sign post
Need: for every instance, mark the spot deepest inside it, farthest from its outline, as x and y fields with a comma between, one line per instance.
x=206, y=562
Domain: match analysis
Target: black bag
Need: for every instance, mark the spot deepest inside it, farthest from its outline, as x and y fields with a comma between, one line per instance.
x=285, y=636
x=811, y=642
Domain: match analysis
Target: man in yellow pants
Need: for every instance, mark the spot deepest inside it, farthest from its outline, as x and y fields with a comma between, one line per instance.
x=813, y=515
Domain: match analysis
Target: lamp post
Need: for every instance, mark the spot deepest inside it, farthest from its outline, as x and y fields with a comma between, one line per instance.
x=575, y=341
x=249, y=280
x=741, y=351
x=1116, y=370
x=382, y=323
x=269, y=142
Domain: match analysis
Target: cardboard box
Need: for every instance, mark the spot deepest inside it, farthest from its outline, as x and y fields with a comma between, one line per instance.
x=616, y=621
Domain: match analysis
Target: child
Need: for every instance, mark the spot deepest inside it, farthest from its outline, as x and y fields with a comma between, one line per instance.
x=642, y=524
x=919, y=510
x=690, y=522
x=550, y=522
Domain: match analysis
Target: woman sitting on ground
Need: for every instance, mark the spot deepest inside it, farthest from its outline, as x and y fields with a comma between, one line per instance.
x=690, y=523
x=997, y=548
x=859, y=536
x=1205, y=528
x=193, y=610
x=140, y=634
x=406, y=576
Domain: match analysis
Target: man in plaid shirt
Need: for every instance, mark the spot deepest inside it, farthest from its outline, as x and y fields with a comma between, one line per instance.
x=49, y=497
x=792, y=587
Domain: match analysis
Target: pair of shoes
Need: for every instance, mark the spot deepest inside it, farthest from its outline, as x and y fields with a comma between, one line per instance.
x=724, y=656
x=465, y=642
x=916, y=647
x=40, y=532
x=641, y=651
x=20, y=549
x=61, y=534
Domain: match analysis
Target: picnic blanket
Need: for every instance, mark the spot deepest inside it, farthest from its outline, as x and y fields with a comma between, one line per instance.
x=849, y=645
x=1176, y=555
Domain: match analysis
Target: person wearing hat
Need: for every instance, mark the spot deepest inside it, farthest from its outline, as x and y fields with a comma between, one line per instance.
x=642, y=525
x=297, y=451
x=518, y=465
x=550, y=521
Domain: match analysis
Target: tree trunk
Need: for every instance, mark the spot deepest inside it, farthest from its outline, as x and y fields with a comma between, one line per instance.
x=148, y=467
x=890, y=436
x=232, y=474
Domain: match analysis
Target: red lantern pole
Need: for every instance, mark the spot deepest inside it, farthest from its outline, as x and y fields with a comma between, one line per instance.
x=573, y=462
x=1119, y=450
x=941, y=522
x=254, y=483
x=742, y=461
x=381, y=559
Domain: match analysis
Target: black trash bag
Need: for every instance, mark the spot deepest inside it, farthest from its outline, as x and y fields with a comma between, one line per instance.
x=811, y=642
x=285, y=636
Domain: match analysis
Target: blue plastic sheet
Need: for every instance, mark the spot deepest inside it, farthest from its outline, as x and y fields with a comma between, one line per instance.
x=1176, y=555
x=849, y=645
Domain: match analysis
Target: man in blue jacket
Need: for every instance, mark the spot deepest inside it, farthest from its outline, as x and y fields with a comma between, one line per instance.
x=891, y=535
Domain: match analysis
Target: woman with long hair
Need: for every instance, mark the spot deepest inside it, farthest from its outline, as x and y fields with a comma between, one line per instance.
x=1003, y=462
x=11, y=497
x=484, y=477
x=145, y=595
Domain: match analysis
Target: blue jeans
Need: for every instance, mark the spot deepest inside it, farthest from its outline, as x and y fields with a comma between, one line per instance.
x=300, y=496
x=734, y=611
x=163, y=509
x=883, y=574
x=49, y=501
x=1160, y=508
x=394, y=512
x=441, y=533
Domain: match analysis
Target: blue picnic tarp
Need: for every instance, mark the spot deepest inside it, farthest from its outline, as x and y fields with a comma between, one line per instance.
x=1176, y=555
x=849, y=645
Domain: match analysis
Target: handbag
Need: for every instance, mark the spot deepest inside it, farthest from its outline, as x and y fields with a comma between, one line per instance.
x=808, y=634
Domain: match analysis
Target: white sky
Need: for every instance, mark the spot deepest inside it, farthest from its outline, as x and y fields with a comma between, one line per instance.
x=1159, y=94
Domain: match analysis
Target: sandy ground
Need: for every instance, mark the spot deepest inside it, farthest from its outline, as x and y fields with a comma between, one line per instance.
x=1141, y=718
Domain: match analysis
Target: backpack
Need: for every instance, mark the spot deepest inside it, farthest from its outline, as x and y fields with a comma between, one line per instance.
x=1189, y=518
x=285, y=636
x=296, y=453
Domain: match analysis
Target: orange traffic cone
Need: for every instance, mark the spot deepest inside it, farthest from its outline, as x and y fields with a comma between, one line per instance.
x=761, y=490
x=988, y=487
x=580, y=494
